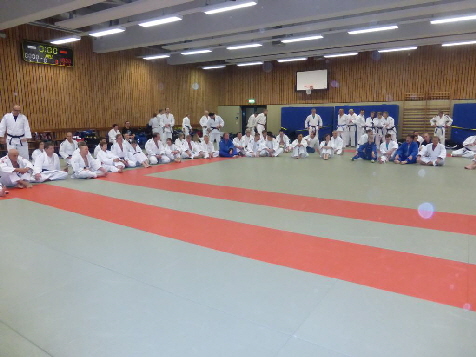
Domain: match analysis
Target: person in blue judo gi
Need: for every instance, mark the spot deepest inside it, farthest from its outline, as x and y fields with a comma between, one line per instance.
x=227, y=149
x=407, y=152
x=368, y=150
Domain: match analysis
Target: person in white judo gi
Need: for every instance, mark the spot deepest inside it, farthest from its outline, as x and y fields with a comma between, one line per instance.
x=255, y=147
x=172, y=152
x=192, y=149
x=157, y=122
x=326, y=149
x=271, y=147
x=84, y=165
x=138, y=156
x=312, y=142
x=109, y=161
x=364, y=138
x=388, y=149
x=351, y=128
x=15, y=125
x=247, y=138
x=360, y=122
x=186, y=126
x=155, y=150
x=389, y=126
x=379, y=128
x=313, y=122
x=15, y=171
x=47, y=166
x=169, y=122
x=38, y=151
x=441, y=122
x=370, y=123
x=261, y=120
x=98, y=147
x=239, y=143
x=337, y=143
x=342, y=126
x=432, y=155
x=208, y=148
x=68, y=147
x=112, y=134
x=283, y=141
x=214, y=124
x=299, y=148
x=251, y=124
x=468, y=150
x=123, y=150
x=203, y=123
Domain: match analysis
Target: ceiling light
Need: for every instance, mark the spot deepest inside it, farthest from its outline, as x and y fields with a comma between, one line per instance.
x=195, y=52
x=459, y=43
x=214, y=67
x=297, y=39
x=372, y=29
x=249, y=64
x=292, y=59
x=341, y=55
x=69, y=39
x=227, y=6
x=161, y=21
x=454, y=19
x=110, y=31
x=398, y=49
x=153, y=57
x=239, y=47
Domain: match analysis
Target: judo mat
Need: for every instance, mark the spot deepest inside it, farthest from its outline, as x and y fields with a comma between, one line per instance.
x=243, y=257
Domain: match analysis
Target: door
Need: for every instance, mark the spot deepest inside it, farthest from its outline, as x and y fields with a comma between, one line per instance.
x=247, y=111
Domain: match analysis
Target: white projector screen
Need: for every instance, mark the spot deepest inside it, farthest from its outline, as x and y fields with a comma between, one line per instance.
x=311, y=80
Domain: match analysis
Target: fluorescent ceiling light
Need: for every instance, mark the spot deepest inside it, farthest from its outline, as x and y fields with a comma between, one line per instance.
x=239, y=47
x=249, y=64
x=398, y=49
x=148, y=58
x=459, y=43
x=195, y=52
x=214, y=67
x=110, y=31
x=161, y=21
x=227, y=6
x=372, y=29
x=297, y=39
x=292, y=59
x=341, y=55
x=69, y=39
x=454, y=19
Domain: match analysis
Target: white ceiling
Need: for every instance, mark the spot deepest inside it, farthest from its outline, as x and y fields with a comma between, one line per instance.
x=266, y=23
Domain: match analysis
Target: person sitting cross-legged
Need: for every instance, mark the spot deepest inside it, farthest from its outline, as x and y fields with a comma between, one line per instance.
x=388, y=149
x=47, y=166
x=109, y=161
x=326, y=148
x=407, y=152
x=432, y=155
x=299, y=146
x=367, y=151
x=84, y=165
x=227, y=149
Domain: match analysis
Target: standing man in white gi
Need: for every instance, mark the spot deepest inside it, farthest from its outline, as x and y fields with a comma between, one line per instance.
x=186, y=126
x=433, y=154
x=47, y=166
x=379, y=128
x=390, y=126
x=261, y=122
x=441, y=122
x=251, y=125
x=203, y=123
x=360, y=122
x=342, y=126
x=352, y=126
x=169, y=122
x=214, y=124
x=157, y=122
x=15, y=170
x=313, y=122
x=68, y=147
x=17, y=128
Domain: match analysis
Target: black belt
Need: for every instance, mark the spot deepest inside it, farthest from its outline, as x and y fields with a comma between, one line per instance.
x=392, y=128
x=15, y=137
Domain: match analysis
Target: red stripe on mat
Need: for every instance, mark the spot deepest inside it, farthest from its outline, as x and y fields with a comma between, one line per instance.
x=441, y=221
x=439, y=280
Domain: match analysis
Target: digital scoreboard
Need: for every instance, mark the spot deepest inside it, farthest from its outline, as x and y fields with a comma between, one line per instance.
x=45, y=53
